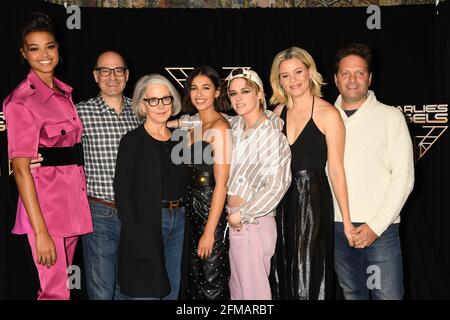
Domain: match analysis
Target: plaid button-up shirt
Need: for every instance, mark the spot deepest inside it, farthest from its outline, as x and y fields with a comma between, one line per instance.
x=103, y=129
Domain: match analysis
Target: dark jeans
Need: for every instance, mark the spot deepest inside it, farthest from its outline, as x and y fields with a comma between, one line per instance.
x=371, y=273
x=100, y=253
x=173, y=236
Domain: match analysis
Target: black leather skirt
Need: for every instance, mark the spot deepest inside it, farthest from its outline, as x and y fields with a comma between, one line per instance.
x=302, y=267
x=207, y=279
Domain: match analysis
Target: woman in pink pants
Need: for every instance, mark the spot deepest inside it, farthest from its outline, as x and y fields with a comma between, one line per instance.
x=259, y=177
x=53, y=209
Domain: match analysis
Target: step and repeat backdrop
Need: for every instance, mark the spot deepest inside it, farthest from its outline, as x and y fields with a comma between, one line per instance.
x=411, y=73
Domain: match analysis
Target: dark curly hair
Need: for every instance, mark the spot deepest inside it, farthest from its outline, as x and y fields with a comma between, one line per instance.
x=221, y=103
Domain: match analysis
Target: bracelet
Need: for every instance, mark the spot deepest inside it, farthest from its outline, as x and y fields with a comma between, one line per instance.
x=178, y=123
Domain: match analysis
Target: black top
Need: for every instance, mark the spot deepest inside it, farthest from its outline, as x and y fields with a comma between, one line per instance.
x=349, y=113
x=138, y=195
x=201, y=156
x=309, y=151
x=174, y=182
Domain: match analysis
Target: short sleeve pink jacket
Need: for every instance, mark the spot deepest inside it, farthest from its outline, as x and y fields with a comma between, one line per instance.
x=38, y=116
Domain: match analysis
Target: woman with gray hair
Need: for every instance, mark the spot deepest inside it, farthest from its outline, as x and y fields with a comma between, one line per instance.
x=149, y=190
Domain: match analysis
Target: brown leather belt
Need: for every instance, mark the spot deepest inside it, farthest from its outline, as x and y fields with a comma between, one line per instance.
x=172, y=204
x=107, y=203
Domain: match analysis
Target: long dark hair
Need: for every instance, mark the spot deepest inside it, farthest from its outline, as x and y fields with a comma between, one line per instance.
x=221, y=103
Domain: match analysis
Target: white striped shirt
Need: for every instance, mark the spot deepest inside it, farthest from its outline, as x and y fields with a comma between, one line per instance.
x=260, y=170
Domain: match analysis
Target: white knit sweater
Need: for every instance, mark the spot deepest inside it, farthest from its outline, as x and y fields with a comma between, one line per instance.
x=378, y=163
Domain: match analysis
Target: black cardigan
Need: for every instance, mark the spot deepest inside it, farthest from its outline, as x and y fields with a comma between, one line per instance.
x=137, y=187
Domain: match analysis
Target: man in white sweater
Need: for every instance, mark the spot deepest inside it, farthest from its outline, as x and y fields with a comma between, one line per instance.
x=379, y=165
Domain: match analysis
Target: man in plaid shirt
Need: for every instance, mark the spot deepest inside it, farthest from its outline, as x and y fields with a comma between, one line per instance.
x=106, y=118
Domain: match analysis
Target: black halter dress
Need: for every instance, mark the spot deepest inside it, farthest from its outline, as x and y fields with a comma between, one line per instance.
x=302, y=267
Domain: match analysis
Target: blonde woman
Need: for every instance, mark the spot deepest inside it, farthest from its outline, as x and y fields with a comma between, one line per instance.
x=302, y=267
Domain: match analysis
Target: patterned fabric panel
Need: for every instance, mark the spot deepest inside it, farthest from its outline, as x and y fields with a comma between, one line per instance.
x=216, y=4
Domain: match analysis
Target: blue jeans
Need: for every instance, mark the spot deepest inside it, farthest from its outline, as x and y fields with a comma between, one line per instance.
x=173, y=221
x=100, y=253
x=372, y=273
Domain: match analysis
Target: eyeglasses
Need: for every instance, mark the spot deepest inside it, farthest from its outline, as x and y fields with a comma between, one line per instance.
x=153, y=102
x=105, y=72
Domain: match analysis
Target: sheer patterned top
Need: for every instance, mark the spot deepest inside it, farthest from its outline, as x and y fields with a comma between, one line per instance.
x=309, y=150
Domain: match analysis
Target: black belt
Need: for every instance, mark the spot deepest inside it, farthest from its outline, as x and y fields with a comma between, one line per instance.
x=62, y=156
x=172, y=204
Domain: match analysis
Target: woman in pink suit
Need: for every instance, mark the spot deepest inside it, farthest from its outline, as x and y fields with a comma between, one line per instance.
x=52, y=209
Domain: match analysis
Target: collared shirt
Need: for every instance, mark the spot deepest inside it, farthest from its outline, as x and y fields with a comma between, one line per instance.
x=103, y=129
x=39, y=116
x=260, y=170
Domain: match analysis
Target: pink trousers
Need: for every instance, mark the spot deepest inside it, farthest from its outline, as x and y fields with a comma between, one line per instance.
x=250, y=252
x=53, y=280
